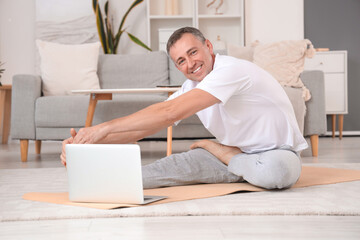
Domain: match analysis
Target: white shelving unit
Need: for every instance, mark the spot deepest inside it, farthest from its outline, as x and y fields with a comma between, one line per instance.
x=229, y=25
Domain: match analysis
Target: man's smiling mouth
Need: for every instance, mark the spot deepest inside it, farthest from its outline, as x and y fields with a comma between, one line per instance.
x=196, y=70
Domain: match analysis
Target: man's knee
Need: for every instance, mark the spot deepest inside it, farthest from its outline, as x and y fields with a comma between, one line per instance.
x=283, y=168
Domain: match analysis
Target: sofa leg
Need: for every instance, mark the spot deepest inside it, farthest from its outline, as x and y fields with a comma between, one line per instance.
x=314, y=139
x=38, y=146
x=24, y=146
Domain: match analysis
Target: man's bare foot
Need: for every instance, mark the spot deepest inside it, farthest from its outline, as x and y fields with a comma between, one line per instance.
x=222, y=152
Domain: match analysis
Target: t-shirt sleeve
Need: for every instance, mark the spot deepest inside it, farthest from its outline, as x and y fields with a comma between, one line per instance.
x=225, y=82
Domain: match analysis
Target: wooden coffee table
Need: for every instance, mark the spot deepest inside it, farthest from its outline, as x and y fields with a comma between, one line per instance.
x=106, y=94
x=5, y=111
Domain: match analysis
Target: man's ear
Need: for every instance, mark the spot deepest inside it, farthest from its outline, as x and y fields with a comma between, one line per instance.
x=209, y=46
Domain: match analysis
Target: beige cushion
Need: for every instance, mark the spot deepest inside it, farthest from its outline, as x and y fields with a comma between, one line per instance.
x=68, y=67
x=285, y=61
x=245, y=53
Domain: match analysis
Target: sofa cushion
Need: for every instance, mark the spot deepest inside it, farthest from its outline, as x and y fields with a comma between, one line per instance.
x=125, y=104
x=133, y=71
x=61, y=111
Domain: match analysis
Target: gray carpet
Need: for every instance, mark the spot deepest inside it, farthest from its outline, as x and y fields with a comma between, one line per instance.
x=334, y=199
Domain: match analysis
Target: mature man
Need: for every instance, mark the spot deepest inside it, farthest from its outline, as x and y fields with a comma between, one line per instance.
x=242, y=105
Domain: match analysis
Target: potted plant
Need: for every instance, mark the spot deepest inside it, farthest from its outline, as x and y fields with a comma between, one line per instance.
x=108, y=40
x=1, y=71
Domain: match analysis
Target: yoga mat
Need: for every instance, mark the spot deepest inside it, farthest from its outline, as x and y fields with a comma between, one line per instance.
x=310, y=176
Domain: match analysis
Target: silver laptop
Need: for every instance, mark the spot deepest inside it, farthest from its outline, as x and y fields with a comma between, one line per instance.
x=106, y=173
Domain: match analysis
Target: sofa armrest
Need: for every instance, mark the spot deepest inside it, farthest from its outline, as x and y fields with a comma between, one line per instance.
x=25, y=90
x=315, y=119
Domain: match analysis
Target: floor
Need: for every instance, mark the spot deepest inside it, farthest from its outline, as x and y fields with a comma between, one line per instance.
x=191, y=227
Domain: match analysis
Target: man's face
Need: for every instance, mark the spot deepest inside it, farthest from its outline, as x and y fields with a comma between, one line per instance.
x=193, y=58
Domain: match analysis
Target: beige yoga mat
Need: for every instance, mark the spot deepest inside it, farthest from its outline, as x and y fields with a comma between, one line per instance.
x=310, y=176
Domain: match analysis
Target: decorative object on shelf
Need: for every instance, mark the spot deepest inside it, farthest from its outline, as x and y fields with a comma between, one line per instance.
x=172, y=7
x=108, y=40
x=218, y=6
x=1, y=71
x=219, y=44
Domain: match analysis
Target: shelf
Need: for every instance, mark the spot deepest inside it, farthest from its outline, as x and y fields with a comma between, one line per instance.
x=170, y=17
x=220, y=16
x=195, y=13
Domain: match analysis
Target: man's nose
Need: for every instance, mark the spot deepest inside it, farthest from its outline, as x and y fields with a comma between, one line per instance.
x=191, y=63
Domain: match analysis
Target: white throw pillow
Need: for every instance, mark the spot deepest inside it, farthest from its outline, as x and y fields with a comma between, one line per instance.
x=68, y=67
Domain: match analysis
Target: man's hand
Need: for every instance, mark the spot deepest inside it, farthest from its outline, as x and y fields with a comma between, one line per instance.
x=90, y=135
x=67, y=141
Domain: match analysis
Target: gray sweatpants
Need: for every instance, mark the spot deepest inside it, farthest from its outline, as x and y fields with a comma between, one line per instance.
x=274, y=169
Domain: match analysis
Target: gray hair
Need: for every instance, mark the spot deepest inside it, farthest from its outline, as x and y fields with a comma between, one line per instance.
x=180, y=32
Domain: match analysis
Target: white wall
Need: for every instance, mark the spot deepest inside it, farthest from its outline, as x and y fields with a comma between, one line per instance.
x=266, y=20
x=17, y=34
x=17, y=48
x=273, y=20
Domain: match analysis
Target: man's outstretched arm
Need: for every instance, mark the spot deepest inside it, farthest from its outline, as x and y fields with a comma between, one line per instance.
x=115, y=138
x=156, y=116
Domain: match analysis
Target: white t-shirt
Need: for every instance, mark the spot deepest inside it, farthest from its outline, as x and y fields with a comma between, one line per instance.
x=255, y=113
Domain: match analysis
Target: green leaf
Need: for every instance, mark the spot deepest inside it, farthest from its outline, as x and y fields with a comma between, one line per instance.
x=106, y=8
x=100, y=28
x=117, y=38
x=138, y=42
x=110, y=37
x=94, y=3
x=134, y=4
x=108, y=40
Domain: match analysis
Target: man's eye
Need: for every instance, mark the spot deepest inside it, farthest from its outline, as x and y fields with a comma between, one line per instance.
x=193, y=52
x=181, y=62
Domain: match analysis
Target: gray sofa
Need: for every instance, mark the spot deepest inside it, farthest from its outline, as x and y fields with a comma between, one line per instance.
x=37, y=117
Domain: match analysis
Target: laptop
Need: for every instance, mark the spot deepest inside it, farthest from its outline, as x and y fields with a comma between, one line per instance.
x=106, y=173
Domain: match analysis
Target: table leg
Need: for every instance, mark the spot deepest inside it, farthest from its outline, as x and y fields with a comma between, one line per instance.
x=341, y=123
x=169, y=136
x=94, y=97
x=333, y=125
x=91, y=110
x=7, y=113
x=169, y=141
x=2, y=109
